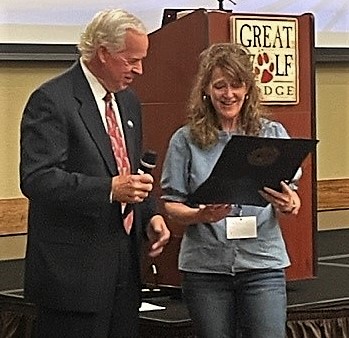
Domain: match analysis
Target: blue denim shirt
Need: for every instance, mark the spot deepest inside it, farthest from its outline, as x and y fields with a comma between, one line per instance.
x=204, y=247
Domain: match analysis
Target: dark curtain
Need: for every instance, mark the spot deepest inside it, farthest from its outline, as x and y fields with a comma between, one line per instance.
x=326, y=322
x=17, y=319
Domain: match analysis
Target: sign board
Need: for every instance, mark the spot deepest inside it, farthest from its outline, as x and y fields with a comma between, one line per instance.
x=273, y=42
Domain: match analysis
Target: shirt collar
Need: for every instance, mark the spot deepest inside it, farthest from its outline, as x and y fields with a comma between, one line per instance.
x=97, y=89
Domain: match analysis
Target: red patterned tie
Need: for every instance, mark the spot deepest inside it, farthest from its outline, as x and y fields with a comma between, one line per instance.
x=119, y=150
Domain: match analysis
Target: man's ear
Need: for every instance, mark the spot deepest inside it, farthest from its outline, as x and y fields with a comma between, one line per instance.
x=102, y=53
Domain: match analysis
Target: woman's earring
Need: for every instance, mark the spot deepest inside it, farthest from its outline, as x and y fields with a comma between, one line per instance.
x=205, y=98
x=246, y=97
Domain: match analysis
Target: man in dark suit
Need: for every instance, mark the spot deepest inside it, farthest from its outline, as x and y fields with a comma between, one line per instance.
x=82, y=266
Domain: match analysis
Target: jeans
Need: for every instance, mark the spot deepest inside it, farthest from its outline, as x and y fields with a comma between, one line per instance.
x=250, y=304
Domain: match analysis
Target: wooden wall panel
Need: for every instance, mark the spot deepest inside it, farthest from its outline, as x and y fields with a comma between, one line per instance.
x=333, y=194
x=13, y=216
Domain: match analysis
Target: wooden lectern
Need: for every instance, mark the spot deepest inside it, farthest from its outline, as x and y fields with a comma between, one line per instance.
x=169, y=70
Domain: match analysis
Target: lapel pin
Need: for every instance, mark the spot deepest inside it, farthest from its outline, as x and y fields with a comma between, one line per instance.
x=130, y=124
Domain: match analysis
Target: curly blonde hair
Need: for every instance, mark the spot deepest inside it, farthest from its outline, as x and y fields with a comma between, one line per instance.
x=236, y=62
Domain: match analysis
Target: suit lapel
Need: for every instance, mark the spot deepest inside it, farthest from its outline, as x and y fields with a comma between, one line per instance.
x=90, y=115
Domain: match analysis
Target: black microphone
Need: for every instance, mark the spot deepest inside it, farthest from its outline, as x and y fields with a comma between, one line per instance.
x=148, y=162
x=146, y=165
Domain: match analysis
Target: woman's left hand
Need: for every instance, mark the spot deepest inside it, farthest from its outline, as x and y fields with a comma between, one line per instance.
x=287, y=201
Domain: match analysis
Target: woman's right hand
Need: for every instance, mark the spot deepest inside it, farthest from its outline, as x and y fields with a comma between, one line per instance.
x=210, y=213
x=207, y=213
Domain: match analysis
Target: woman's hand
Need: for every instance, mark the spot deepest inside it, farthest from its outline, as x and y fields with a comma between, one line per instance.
x=210, y=213
x=286, y=202
x=186, y=215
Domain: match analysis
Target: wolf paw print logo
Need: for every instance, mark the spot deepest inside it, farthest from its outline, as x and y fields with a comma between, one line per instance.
x=264, y=68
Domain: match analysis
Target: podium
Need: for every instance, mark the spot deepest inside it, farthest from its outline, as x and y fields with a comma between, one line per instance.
x=164, y=88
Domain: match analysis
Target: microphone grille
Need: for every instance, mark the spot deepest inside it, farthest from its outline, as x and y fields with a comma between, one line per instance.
x=149, y=158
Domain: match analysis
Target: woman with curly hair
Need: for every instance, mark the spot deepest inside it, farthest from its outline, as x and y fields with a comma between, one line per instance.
x=233, y=287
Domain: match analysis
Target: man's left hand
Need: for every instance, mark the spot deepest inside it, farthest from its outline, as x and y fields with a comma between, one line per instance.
x=158, y=235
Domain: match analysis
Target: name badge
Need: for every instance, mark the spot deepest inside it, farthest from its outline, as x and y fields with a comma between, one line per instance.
x=239, y=227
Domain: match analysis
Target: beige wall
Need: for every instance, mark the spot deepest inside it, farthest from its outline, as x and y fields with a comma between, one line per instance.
x=332, y=100
x=18, y=79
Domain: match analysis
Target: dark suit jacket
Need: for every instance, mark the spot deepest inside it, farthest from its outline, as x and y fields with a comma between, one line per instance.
x=75, y=237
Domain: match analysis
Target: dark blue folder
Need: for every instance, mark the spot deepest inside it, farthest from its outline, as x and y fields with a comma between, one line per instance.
x=247, y=164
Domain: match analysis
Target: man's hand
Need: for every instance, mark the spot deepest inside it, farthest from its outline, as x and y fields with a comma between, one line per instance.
x=131, y=188
x=158, y=235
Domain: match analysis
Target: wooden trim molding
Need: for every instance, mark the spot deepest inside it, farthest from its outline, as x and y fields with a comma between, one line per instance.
x=333, y=194
x=13, y=216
